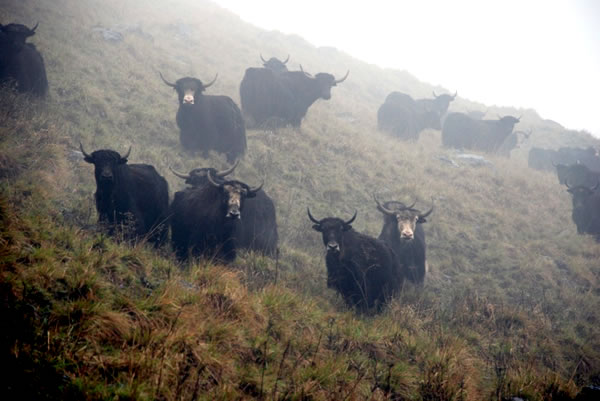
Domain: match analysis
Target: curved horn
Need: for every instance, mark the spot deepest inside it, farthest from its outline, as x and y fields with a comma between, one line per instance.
x=434, y=95
x=337, y=81
x=262, y=58
x=427, y=213
x=211, y=82
x=286, y=60
x=255, y=190
x=34, y=28
x=221, y=174
x=305, y=73
x=382, y=209
x=127, y=154
x=454, y=96
x=567, y=184
x=83, y=151
x=411, y=206
x=519, y=118
x=351, y=218
x=310, y=216
x=178, y=174
x=211, y=180
x=165, y=81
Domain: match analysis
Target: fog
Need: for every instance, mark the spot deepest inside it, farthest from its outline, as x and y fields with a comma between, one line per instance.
x=543, y=55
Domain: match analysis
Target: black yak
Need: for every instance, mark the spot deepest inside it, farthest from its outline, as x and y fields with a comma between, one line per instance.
x=364, y=270
x=462, y=132
x=204, y=219
x=403, y=231
x=130, y=194
x=208, y=122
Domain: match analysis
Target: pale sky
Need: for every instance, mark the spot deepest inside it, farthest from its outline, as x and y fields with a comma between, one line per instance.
x=543, y=55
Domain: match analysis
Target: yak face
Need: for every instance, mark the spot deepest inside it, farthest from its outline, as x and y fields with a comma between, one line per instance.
x=198, y=177
x=325, y=81
x=188, y=89
x=405, y=218
x=106, y=162
x=580, y=194
x=275, y=65
x=442, y=102
x=235, y=193
x=332, y=230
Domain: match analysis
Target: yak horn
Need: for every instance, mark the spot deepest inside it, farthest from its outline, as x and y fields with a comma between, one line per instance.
x=83, y=151
x=383, y=209
x=211, y=180
x=221, y=174
x=127, y=154
x=178, y=174
x=310, y=216
x=338, y=81
x=262, y=58
x=351, y=219
x=166, y=82
x=33, y=29
x=211, y=82
x=286, y=60
x=255, y=190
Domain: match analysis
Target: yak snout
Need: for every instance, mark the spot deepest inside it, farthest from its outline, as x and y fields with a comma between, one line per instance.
x=407, y=234
x=333, y=246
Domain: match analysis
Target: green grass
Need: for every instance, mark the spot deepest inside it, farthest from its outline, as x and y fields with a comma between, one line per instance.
x=510, y=307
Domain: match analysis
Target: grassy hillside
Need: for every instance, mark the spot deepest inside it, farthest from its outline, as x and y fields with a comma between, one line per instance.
x=511, y=305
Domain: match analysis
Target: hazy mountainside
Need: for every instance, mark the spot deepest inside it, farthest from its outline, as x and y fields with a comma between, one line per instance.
x=512, y=301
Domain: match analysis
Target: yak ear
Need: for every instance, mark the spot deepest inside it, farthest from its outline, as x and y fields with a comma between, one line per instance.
x=317, y=227
x=123, y=160
x=89, y=159
x=421, y=220
x=347, y=227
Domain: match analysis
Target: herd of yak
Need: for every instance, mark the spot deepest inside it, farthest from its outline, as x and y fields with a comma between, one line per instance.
x=215, y=215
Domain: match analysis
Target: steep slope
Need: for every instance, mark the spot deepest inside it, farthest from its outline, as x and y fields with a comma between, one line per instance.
x=511, y=305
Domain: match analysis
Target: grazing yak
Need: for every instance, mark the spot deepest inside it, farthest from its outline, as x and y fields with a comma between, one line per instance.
x=130, y=194
x=586, y=208
x=204, y=219
x=403, y=232
x=208, y=122
x=276, y=99
x=364, y=270
x=404, y=117
x=462, y=132
x=21, y=63
x=257, y=229
x=274, y=64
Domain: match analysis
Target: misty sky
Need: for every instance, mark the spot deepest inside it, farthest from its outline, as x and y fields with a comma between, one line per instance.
x=537, y=54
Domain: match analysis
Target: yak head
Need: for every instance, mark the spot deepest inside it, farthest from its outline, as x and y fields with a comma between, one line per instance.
x=274, y=64
x=106, y=162
x=198, y=177
x=332, y=230
x=442, y=102
x=233, y=195
x=405, y=218
x=325, y=82
x=188, y=89
x=581, y=193
x=17, y=34
x=508, y=123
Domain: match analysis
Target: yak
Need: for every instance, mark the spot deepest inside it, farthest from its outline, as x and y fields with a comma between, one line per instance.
x=548, y=159
x=277, y=99
x=404, y=117
x=364, y=270
x=21, y=64
x=257, y=229
x=462, y=132
x=130, y=194
x=403, y=231
x=576, y=174
x=204, y=219
x=586, y=208
x=208, y=122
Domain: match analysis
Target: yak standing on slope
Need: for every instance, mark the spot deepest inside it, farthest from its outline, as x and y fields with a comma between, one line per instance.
x=20, y=62
x=204, y=219
x=462, y=132
x=276, y=99
x=403, y=231
x=364, y=270
x=130, y=194
x=208, y=122
x=257, y=229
